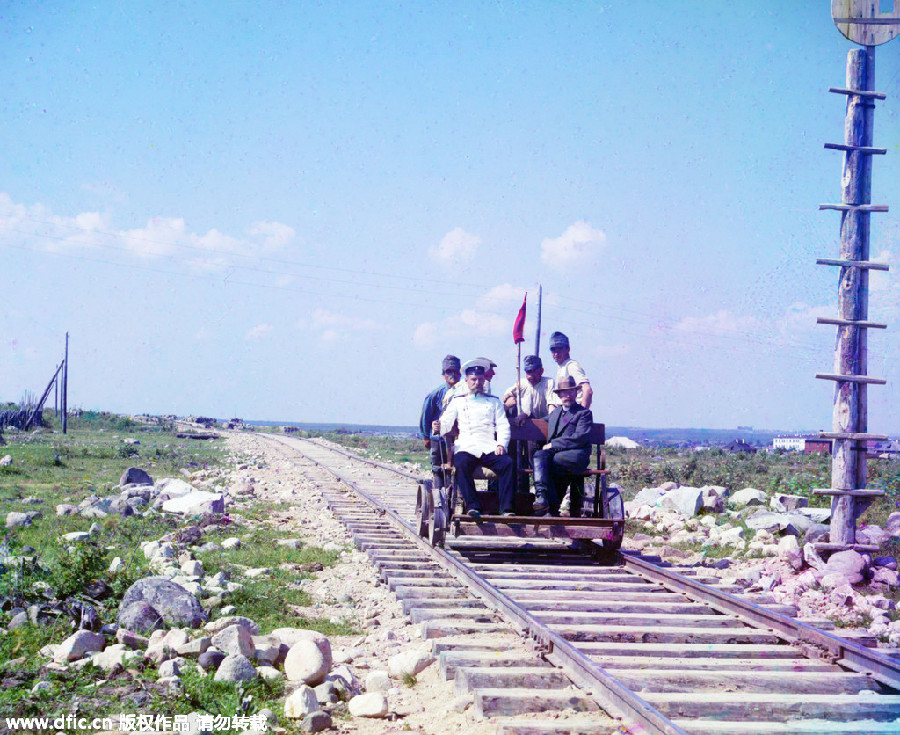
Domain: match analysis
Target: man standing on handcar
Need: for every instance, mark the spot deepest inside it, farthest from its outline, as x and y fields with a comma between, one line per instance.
x=431, y=410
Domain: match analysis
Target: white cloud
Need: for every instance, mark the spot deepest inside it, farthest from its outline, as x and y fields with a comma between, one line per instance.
x=322, y=318
x=879, y=281
x=503, y=297
x=260, y=331
x=37, y=226
x=332, y=326
x=494, y=316
x=426, y=335
x=484, y=324
x=457, y=246
x=801, y=317
x=576, y=246
x=721, y=323
x=274, y=235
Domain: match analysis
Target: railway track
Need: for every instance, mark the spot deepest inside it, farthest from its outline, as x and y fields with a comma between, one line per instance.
x=632, y=647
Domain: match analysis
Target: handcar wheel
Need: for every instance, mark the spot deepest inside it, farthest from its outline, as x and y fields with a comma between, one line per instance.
x=436, y=529
x=613, y=507
x=423, y=507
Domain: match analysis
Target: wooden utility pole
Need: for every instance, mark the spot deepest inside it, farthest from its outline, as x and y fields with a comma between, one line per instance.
x=859, y=22
x=65, y=388
x=537, y=331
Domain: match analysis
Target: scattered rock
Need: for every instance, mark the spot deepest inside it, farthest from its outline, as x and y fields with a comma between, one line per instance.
x=76, y=645
x=174, y=604
x=300, y=703
x=748, y=496
x=135, y=476
x=410, y=662
x=373, y=704
x=306, y=662
x=235, y=668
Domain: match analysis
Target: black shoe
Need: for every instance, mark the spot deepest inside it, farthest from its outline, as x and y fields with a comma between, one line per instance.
x=473, y=513
x=540, y=506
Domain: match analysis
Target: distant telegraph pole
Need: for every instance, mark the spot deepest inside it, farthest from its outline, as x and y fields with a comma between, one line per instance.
x=65, y=388
x=861, y=22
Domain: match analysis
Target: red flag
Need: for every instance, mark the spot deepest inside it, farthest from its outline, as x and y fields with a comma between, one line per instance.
x=519, y=326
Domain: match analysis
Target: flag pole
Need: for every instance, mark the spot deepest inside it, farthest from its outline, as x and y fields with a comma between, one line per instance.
x=519, y=378
x=537, y=332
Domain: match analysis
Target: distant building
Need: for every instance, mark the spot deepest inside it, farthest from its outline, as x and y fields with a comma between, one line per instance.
x=817, y=446
x=789, y=443
x=808, y=444
x=739, y=445
x=623, y=442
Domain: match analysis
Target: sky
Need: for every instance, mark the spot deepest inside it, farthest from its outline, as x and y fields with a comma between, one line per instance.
x=292, y=211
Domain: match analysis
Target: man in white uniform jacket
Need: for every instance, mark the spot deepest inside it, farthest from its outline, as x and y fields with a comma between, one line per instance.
x=483, y=439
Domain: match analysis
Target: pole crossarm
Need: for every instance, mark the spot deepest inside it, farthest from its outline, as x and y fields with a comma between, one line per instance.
x=869, y=264
x=859, y=93
x=851, y=323
x=856, y=207
x=851, y=378
x=865, y=150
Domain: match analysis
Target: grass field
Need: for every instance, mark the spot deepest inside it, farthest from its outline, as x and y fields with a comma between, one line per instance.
x=37, y=569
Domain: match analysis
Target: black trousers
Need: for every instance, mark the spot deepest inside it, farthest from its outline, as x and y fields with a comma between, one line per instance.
x=553, y=470
x=502, y=464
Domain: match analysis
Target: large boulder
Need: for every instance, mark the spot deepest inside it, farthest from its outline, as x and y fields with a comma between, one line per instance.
x=893, y=524
x=195, y=503
x=235, y=639
x=844, y=567
x=306, y=662
x=648, y=496
x=175, y=605
x=139, y=616
x=135, y=476
x=685, y=500
x=235, y=668
x=373, y=704
x=782, y=502
x=816, y=515
x=410, y=662
x=76, y=645
x=301, y=702
x=173, y=487
x=777, y=522
x=748, y=496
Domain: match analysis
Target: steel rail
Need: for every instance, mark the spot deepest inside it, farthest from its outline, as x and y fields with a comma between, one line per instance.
x=604, y=689
x=607, y=691
x=814, y=642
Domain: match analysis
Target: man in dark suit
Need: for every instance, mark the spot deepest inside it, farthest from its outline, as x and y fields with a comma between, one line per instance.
x=567, y=452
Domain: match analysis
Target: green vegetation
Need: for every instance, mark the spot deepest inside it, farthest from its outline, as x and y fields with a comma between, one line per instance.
x=38, y=567
x=275, y=599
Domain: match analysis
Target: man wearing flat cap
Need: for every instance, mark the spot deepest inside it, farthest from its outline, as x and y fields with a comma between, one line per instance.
x=431, y=410
x=559, y=349
x=566, y=453
x=482, y=441
x=538, y=399
x=461, y=388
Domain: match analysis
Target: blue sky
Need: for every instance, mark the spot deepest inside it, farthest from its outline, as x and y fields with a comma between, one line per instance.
x=292, y=211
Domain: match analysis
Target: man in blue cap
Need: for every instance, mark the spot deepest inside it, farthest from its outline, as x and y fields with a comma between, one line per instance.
x=568, y=368
x=431, y=410
x=538, y=399
x=482, y=441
